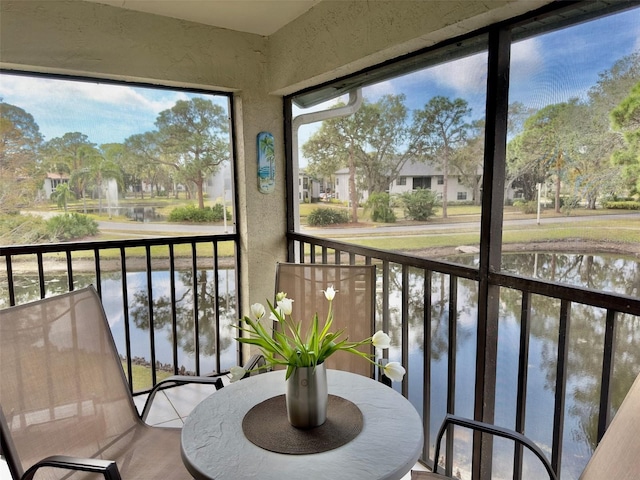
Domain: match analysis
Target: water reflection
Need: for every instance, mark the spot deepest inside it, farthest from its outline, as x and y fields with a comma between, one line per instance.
x=27, y=289
x=586, y=343
x=137, y=214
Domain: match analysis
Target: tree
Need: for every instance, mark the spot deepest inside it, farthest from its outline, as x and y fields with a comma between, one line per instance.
x=72, y=154
x=20, y=141
x=61, y=195
x=613, y=87
x=544, y=144
x=373, y=143
x=441, y=129
x=194, y=138
x=144, y=154
x=589, y=142
x=334, y=146
x=625, y=118
x=468, y=160
x=574, y=140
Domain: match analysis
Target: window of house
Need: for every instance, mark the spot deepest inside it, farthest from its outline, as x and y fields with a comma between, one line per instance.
x=462, y=196
x=421, y=182
x=401, y=181
x=440, y=180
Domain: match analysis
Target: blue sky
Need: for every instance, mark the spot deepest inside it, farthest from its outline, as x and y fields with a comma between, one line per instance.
x=545, y=69
x=106, y=113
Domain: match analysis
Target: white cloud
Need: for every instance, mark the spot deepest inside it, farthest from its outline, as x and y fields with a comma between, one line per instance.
x=526, y=59
x=27, y=91
x=465, y=75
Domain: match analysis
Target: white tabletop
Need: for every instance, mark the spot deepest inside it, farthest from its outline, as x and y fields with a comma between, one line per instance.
x=214, y=445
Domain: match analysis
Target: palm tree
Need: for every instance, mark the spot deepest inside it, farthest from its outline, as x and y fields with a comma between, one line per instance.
x=62, y=194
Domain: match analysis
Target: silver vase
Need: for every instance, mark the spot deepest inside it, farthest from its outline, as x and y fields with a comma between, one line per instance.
x=307, y=396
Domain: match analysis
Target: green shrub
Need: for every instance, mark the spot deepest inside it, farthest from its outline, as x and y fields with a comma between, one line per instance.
x=622, y=205
x=419, y=204
x=569, y=203
x=16, y=229
x=526, y=207
x=379, y=204
x=70, y=226
x=327, y=216
x=191, y=213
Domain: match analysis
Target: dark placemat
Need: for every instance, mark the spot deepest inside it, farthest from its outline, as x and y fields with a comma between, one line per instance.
x=266, y=425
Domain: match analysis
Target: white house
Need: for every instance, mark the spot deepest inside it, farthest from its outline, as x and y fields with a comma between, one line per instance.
x=309, y=189
x=413, y=175
x=51, y=181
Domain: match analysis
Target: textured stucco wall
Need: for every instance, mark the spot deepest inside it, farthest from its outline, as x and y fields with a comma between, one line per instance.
x=99, y=40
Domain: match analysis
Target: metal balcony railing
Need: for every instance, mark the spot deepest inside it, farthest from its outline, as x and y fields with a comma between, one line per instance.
x=428, y=306
x=417, y=293
x=174, y=294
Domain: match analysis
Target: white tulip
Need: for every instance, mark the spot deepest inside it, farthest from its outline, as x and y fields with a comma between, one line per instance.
x=257, y=310
x=286, y=305
x=330, y=293
x=237, y=373
x=381, y=340
x=273, y=316
x=394, y=371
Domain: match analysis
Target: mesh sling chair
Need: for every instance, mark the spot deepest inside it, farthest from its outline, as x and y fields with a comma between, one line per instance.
x=65, y=402
x=353, y=306
x=617, y=455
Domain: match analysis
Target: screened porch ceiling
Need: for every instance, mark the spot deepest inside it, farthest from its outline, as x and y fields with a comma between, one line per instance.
x=262, y=17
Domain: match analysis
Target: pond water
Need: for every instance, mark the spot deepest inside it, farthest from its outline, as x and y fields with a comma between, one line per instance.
x=585, y=355
x=137, y=214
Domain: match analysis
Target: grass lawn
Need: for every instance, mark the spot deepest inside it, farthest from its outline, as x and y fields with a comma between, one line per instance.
x=142, y=376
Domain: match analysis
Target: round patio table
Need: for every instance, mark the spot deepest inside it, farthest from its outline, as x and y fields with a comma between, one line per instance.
x=214, y=445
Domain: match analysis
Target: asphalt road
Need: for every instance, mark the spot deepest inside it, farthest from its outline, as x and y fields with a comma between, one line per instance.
x=171, y=229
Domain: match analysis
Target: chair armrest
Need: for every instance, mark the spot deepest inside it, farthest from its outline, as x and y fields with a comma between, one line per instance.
x=174, y=381
x=107, y=468
x=493, y=430
x=256, y=362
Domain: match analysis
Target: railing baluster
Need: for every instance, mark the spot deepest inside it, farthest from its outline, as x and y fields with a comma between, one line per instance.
x=426, y=363
x=607, y=373
x=125, y=311
x=69, y=270
x=196, y=317
x=216, y=297
x=96, y=262
x=12, y=291
x=174, y=310
x=451, y=366
x=561, y=384
x=404, y=349
x=523, y=368
x=41, y=275
x=152, y=330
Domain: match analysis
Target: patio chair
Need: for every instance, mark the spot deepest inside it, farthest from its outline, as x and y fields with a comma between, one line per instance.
x=353, y=306
x=617, y=455
x=65, y=403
